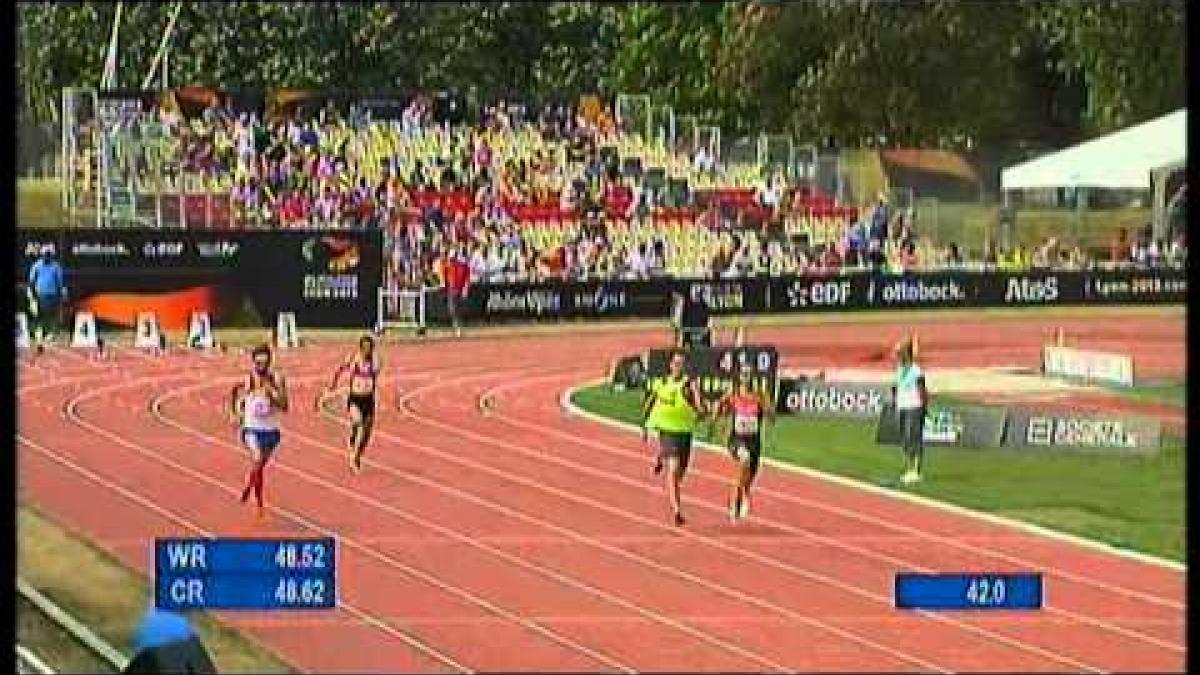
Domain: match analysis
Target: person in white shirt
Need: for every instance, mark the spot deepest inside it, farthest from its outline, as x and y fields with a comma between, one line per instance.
x=911, y=399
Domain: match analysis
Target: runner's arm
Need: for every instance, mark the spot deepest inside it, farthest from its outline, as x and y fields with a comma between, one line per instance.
x=279, y=392
x=337, y=374
x=235, y=400
x=647, y=406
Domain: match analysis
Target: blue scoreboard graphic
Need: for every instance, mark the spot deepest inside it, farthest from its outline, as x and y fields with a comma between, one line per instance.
x=969, y=591
x=246, y=574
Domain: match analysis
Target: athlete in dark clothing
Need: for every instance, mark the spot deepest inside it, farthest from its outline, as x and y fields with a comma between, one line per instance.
x=747, y=411
x=364, y=367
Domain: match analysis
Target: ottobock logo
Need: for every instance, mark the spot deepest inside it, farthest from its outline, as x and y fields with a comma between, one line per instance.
x=920, y=292
x=835, y=400
x=1026, y=290
x=819, y=294
x=525, y=302
x=1080, y=432
x=87, y=248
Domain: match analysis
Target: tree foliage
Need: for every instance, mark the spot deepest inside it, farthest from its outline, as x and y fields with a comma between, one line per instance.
x=927, y=72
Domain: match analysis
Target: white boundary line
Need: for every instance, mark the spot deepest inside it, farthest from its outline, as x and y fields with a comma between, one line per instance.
x=80, y=632
x=24, y=655
x=569, y=406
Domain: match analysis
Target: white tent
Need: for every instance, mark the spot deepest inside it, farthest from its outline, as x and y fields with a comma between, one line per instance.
x=1122, y=160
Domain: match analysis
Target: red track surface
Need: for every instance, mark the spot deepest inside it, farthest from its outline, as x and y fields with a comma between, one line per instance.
x=530, y=540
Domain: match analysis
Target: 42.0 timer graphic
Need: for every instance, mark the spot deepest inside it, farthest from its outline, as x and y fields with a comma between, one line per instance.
x=969, y=591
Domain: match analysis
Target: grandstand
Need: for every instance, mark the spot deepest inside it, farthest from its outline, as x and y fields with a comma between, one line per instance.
x=589, y=191
x=199, y=158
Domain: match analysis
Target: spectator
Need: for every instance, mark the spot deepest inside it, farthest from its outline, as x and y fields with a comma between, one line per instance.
x=954, y=257
x=1119, y=247
x=47, y=279
x=457, y=278
x=165, y=642
x=880, y=217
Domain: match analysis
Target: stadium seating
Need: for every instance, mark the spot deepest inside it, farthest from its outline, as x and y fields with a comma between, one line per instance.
x=216, y=170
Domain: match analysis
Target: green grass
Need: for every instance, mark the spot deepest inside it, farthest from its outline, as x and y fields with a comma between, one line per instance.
x=1167, y=393
x=1131, y=502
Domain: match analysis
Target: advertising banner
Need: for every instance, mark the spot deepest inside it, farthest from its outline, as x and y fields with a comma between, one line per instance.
x=1101, y=433
x=329, y=279
x=852, y=291
x=958, y=425
x=839, y=399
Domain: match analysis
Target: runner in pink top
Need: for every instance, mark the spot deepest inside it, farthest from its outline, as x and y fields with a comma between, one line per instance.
x=748, y=411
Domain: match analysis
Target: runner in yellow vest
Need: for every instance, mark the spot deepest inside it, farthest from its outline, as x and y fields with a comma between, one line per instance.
x=672, y=407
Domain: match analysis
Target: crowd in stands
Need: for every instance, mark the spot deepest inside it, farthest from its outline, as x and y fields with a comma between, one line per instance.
x=558, y=193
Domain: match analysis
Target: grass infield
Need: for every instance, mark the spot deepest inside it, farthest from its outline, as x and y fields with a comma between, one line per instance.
x=1129, y=502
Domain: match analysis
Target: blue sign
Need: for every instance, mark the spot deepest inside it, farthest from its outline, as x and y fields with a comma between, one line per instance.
x=969, y=591
x=252, y=574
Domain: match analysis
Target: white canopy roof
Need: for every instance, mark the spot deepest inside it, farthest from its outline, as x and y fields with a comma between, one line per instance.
x=1120, y=160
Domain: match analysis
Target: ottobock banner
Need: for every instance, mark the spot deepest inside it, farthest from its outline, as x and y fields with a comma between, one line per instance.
x=1090, y=432
x=1087, y=366
x=328, y=279
x=968, y=426
x=852, y=291
x=838, y=399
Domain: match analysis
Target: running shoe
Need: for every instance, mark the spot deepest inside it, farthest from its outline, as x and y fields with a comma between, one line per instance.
x=679, y=521
x=658, y=466
x=744, y=507
x=910, y=477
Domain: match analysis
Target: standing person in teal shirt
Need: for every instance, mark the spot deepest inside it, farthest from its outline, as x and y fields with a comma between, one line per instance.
x=672, y=408
x=912, y=399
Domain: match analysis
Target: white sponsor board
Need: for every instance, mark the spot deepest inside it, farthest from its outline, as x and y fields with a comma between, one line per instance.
x=84, y=334
x=1087, y=366
x=23, y=339
x=286, y=336
x=147, y=334
x=200, y=331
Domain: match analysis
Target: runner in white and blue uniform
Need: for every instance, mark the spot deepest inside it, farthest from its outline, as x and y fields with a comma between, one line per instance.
x=258, y=400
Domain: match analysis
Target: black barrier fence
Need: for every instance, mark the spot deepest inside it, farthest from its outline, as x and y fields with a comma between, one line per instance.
x=328, y=279
x=856, y=291
x=960, y=425
x=1111, y=433
x=976, y=426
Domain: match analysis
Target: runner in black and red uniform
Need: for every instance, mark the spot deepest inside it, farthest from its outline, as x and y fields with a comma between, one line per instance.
x=364, y=368
x=748, y=412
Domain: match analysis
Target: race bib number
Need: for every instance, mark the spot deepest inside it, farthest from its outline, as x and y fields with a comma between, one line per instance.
x=745, y=425
x=261, y=407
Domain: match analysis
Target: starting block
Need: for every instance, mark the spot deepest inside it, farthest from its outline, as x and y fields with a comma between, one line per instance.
x=147, y=335
x=200, y=331
x=286, y=336
x=23, y=339
x=84, y=335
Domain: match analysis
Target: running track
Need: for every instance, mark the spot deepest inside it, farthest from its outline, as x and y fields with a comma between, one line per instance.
x=530, y=540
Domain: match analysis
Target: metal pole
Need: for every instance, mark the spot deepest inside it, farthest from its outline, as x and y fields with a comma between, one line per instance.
x=182, y=200
x=208, y=197
x=102, y=179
